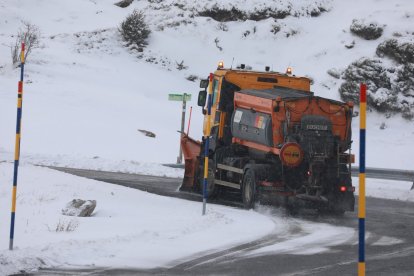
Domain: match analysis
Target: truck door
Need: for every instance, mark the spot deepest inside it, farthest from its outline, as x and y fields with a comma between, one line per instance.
x=221, y=109
x=215, y=113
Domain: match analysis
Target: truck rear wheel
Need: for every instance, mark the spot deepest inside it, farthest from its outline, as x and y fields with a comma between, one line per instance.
x=249, y=189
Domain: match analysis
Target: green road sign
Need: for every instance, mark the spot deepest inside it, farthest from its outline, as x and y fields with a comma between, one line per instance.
x=179, y=97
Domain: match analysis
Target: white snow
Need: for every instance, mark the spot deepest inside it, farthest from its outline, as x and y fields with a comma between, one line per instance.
x=314, y=238
x=129, y=228
x=390, y=189
x=384, y=241
x=85, y=96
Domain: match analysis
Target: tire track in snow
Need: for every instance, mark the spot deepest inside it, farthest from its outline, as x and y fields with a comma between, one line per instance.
x=230, y=253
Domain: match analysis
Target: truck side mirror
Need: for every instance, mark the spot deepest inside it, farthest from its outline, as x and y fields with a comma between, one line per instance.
x=204, y=83
x=202, y=96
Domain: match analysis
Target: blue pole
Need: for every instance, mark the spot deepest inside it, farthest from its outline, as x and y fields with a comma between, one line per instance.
x=17, y=147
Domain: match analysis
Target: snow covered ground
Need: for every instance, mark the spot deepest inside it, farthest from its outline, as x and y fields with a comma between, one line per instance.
x=129, y=228
x=85, y=96
x=390, y=189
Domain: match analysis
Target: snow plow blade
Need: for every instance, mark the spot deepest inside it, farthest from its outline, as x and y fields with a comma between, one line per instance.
x=191, y=150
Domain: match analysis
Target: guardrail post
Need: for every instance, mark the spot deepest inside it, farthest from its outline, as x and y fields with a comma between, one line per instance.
x=180, y=153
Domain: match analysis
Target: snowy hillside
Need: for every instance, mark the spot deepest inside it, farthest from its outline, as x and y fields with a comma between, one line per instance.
x=86, y=94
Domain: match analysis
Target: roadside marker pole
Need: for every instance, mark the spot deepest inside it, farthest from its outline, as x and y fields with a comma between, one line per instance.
x=182, y=98
x=180, y=153
x=207, y=143
x=361, y=198
x=17, y=146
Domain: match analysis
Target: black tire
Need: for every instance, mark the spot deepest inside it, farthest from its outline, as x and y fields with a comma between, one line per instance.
x=249, y=193
x=212, y=189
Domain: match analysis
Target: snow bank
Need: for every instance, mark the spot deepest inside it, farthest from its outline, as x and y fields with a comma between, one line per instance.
x=389, y=189
x=129, y=228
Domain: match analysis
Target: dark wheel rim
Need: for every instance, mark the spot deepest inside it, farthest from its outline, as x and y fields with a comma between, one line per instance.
x=248, y=189
x=210, y=180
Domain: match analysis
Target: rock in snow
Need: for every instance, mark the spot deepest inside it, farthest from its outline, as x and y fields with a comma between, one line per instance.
x=79, y=208
x=147, y=133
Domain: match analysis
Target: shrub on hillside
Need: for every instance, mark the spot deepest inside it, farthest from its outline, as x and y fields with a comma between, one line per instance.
x=316, y=11
x=224, y=15
x=389, y=89
x=234, y=13
x=134, y=29
x=404, y=82
x=402, y=52
x=29, y=34
x=124, y=3
x=370, y=71
x=368, y=31
x=263, y=14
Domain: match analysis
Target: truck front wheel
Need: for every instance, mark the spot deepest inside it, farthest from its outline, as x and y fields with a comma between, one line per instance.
x=249, y=189
x=211, y=189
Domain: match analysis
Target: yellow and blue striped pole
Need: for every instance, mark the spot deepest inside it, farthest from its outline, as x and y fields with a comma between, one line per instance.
x=17, y=147
x=361, y=198
x=207, y=143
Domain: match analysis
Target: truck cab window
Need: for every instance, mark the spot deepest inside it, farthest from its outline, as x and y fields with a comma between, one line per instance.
x=215, y=90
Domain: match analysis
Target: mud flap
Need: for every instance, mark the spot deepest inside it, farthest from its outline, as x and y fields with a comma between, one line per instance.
x=342, y=202
x=191, y=150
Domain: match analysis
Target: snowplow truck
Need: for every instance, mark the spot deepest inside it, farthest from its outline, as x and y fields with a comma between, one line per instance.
x=273, y=140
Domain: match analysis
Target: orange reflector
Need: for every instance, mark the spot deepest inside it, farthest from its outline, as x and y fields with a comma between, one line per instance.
x=291, y=154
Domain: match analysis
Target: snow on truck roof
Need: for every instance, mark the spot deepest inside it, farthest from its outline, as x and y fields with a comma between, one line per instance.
x=278, y=91
x=284, y=93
